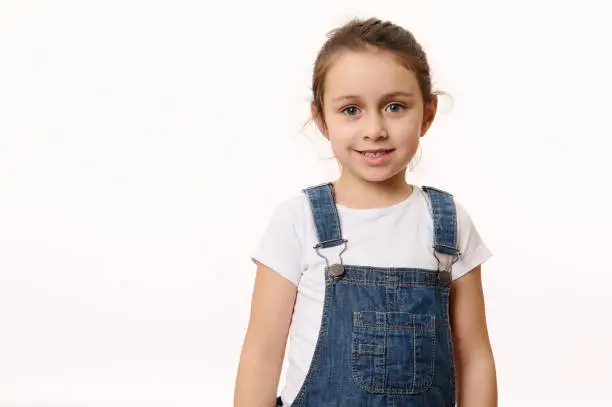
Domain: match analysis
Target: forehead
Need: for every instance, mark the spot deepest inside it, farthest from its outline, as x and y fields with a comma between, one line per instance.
x=367, y=74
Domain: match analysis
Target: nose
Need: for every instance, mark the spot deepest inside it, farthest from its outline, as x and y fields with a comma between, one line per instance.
x=376, y=130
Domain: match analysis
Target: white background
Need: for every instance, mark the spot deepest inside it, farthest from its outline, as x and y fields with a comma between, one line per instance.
x=144, y=145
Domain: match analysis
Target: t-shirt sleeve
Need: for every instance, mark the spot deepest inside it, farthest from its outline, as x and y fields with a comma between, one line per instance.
x=279, y=247
x=473, y=250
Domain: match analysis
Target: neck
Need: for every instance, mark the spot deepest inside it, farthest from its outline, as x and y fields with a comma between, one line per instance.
x=357, y=193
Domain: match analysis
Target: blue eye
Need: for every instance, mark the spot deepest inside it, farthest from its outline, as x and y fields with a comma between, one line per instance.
x=398, y=105
x=350, y=111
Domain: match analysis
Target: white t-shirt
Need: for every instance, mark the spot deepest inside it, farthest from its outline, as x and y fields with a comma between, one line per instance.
x=400, y=235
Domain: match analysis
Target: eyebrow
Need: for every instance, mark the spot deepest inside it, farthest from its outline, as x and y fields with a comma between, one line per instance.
x=385, y=96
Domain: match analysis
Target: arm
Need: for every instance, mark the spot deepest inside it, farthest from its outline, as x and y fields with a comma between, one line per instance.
x=475, y=367
x=266, y=338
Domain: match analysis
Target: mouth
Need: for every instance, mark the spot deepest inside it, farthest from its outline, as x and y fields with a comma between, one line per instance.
x=377, y=157
x=375, y=153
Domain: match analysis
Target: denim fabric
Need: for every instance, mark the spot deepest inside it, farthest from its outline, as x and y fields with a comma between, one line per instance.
x=325, y=215
x=385, y=338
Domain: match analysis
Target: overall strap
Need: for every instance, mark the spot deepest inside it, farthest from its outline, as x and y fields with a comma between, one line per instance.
x=327, y=222
x=444, y=214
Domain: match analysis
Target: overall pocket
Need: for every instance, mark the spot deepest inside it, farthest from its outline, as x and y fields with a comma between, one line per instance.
x=393, y=352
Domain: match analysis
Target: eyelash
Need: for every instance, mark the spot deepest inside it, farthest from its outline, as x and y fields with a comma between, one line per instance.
x=390, y=104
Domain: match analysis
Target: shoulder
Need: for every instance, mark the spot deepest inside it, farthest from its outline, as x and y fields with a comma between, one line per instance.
x=470, y=243
x=290, y=216
x=280, y=246
x=293, y=207
x=438, y=193
x=433, y=189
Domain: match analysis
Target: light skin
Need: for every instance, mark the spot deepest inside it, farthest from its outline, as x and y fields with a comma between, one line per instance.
x=370, y=102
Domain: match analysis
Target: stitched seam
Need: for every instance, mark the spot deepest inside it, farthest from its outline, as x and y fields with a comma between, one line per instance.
x=450, y=346
x=388, y=270
x=363, y=352
x=318, y=350
x=414, y=358
x=414, y=326
x=429, y=383
x=313, y=211
x=431, y=212
x=456, y=242
x=385, y=382
x=358, y=376
x=432, y=368
x=335, y=211
x=429, y=201
x=382, y=283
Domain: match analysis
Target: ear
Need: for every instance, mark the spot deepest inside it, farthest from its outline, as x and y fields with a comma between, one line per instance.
x=429, y=114
x=318, y=119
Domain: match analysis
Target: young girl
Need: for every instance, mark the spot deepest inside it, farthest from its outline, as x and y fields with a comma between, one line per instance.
x=377, y=282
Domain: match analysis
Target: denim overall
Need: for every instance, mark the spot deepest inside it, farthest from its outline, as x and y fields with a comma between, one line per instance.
x=385, y=337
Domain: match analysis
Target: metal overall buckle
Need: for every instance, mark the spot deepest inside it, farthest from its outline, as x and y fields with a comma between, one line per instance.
x=336, y=270
x=445, y=276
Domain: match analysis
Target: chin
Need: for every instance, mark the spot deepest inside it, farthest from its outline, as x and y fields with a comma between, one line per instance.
x=377, y=177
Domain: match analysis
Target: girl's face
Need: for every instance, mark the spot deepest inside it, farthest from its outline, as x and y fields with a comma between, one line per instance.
x=374, y=115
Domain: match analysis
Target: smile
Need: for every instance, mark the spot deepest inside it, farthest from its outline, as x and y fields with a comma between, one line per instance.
x=376, y=154
x=374, y=157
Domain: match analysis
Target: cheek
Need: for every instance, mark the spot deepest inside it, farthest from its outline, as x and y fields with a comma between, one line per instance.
x=340, y=143
x=407, y=131
x=341, y=133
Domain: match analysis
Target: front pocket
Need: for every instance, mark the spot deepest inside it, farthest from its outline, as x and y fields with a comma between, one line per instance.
x=393, y=352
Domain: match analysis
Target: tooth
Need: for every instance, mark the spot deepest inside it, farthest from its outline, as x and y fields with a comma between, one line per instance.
x=377, y=154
